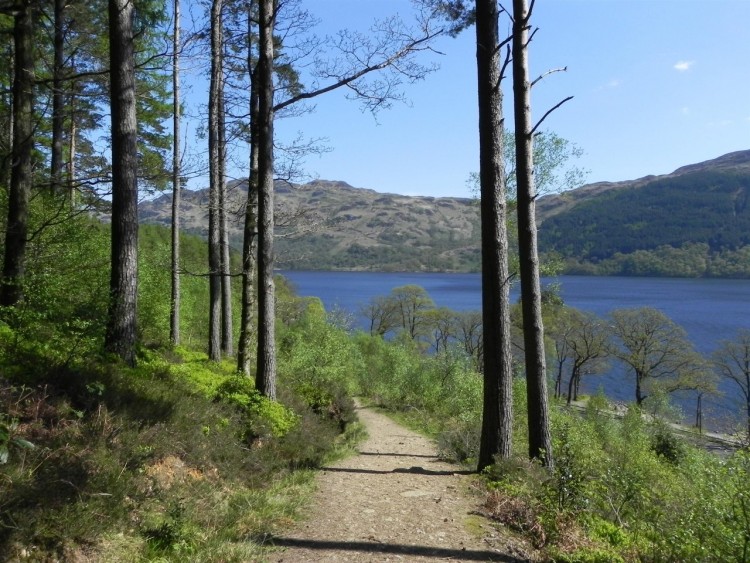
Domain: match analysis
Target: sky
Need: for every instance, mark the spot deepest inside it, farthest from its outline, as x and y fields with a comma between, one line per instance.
x=656, y=84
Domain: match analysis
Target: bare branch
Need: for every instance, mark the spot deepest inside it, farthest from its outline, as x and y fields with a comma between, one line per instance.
x=538, y=123
x=506, y=62
x=544, y=75
x=369, y=56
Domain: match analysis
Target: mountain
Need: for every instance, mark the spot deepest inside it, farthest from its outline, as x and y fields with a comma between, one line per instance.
x=693, y=222
x=332, y=225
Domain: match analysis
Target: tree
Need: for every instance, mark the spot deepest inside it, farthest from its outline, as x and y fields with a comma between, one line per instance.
x=382, y=314
x=412, y=305
x=21, y=179
x=587, y=342
x=540, y=438
x=559, y=331
x=265, y=376
x=215, y=181
x=121, y=326
x=469, y=334
x=250, y=229
x=654, y=347
x=497, y=420
x=442, y=321
x=174, y=317
x=732, y=362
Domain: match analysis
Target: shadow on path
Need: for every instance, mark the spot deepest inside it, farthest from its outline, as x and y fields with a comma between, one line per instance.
x=391, y=454
x=416, y=470
x=399, y=549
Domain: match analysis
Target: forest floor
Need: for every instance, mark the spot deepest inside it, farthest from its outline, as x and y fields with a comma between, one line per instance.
x=395, y=500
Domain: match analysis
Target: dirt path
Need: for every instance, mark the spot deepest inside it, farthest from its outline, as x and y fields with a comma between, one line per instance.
x=394, y=501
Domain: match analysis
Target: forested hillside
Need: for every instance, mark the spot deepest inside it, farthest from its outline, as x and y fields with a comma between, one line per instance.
x=693, y=222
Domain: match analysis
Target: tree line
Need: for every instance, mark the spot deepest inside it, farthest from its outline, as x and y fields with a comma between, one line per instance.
x=657, y=355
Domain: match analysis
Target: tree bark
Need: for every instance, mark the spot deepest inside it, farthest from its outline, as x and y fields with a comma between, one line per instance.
x=226, y=279
x=496, y=437
x=121, y=327
x=56, y=161
x=174, y=316
x=265, y=377
x=21, y=178
x=214, y=202
x=540, y=440
x=249, y=238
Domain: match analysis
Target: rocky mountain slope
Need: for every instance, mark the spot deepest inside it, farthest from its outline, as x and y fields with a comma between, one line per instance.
x=332, y=225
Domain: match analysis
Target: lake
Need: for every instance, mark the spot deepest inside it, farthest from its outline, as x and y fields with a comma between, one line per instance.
x=709, y=310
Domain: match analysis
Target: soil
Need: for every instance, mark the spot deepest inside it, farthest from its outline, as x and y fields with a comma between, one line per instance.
x=395, y=501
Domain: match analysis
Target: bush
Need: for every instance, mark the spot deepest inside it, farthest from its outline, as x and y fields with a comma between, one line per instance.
x=266, y=418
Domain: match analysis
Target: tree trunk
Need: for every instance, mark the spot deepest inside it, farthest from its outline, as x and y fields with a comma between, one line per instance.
x=558, y=379
x=699, y=413
x=121, y=327
x=639, y=397
x=226, y=279
x=214, y=150
x=571, y=385
x=540, y=440
x=56, y=161
x=72, y=155
x=174, y=316
x=265, y=377
x=21, y=178
x=496, y=437
x=249, y=238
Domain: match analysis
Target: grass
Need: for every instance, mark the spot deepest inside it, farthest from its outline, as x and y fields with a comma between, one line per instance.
x=147, y=464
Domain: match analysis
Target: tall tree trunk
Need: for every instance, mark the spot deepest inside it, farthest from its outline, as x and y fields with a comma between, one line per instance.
x=174, y=314
x=496, y=437
x=214, y=224
x=265, y=376
x=72, y=154
x=121, y=327
x=540, y=440
x=21, y=178
x=56, y=162
x=6, y=157
x=249, y=237
x=226, y=279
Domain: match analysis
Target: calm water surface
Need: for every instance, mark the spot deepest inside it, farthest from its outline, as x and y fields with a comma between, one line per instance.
x=708, y=310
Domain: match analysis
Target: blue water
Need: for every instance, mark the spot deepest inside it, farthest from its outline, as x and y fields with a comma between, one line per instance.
x=709, y=310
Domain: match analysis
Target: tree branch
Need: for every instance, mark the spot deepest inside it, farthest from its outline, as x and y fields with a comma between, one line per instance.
x=348, y=80
x=538, y=123
x=544, y=75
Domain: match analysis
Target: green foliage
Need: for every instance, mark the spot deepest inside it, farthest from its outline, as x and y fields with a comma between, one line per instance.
x=318, y=360
x=267, y=418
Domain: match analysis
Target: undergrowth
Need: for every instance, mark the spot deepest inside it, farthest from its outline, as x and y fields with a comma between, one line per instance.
x=184, y=464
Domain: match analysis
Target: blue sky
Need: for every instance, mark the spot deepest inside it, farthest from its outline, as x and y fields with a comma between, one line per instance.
x=657, y=84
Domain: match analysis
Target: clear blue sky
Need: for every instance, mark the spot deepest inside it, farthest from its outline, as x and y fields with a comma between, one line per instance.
x=657, y=84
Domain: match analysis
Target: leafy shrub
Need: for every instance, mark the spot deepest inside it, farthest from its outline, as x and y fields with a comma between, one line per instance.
x=266, y=417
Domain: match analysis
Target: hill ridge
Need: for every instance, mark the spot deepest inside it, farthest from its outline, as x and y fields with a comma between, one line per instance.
x=330, y=224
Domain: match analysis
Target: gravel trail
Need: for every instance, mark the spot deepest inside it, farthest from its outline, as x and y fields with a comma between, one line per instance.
x=393, y=501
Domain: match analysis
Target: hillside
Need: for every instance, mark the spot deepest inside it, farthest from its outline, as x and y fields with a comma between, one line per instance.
x=693, y=222
x=332, y=225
